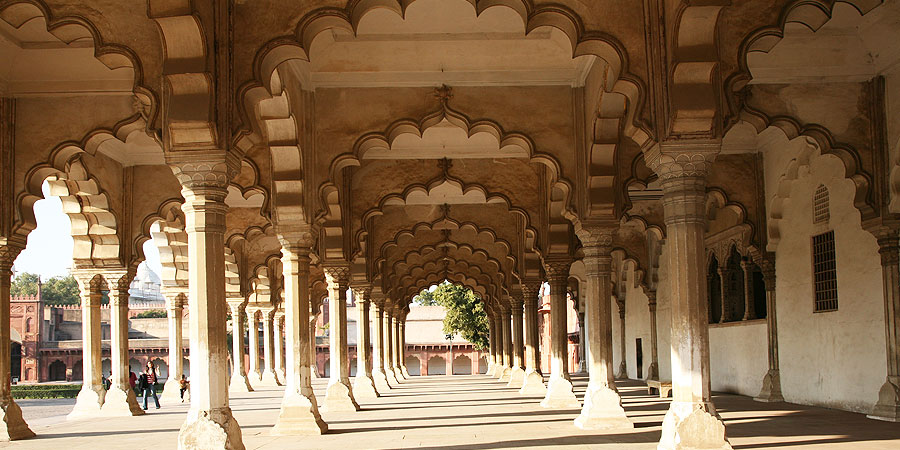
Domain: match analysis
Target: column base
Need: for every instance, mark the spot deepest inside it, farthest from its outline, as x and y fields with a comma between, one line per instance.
x=391, y=376
x=88, y=403
x=516, y=378
x=653, y=371
x=406, y=372
x=254, y=378
x=210, y=429
x=560, y=394
x=12, y=424
x=121, y=402
x=689, y=426
x=299, y=416
x=269, y=379
x=398, y=374
x=239, y=383
x=314, y=372
x=503, y=376
x=281, y=376
x=623, y=372
x=381, y=381
x=888, y=406
x=533, y=384
x=490, y=369
x=771, y=388
x=602, y=410
x=339, y=398
x=364, y=387
x=171, y=392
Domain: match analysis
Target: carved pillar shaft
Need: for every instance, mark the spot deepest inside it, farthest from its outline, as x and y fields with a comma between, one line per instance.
x=532, y=346
x=749, y=310
x=517, y=311
x=239, y=381
x=12, y=425
x=299, y=410
x=888, y=405
x=653, y=371
x=253, y=343
x=120, y=399
x=559, y=388
x=723, y=290
x=278, y=327
x=771, y=388
x=174, y=314
x=92, y=393
x=682, y=169
x=623, y=355
x=339, y=396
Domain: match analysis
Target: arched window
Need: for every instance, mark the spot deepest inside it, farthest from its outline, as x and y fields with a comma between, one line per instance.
x=28, y=325
x=821, y=213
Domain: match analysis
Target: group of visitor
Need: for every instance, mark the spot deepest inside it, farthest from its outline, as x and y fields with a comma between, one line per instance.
x=145, y=384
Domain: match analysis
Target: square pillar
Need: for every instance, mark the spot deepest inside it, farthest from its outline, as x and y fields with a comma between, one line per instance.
x=239, y=380
x=299, y=413
x=120, y=399
x=403, y=368
x=389, y=348
x=253, y=372
x=533, y=383
x=653, y=370
x=92, y=393
x=888, y=405
x=397, y=347
x=559, y=388
x=505, y=325
x=268, y=375
x=602, y=404
x=174, y=314
x=12, y=425
x=692, y=420
x=378, y=373
x=278, y=327
x=363, y=384
x=339, y=396
x=204, y=184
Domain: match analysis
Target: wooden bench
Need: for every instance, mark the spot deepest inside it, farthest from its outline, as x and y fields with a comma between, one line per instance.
x=664, y=388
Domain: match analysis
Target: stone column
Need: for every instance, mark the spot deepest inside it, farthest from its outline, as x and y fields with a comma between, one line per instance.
x=268, y=375
x=204, y=187
x=12, y=425
x=397, y=347
x=505, y=323
x=771, y=388
x=403, y=368
x=726, y=307
x=278, y=325
x=313, y=357
x=239, y=380
x=888, y=405
x=653, y=370
x=559, y=387
x=533, y=383
x=749, y=309
x=602, y=405
x=378, y=359
x=692, y=420
x=492, y=347
x=299, y=413
x=92, y=393
x=253, y=372
x=363, y=384
x=174, y=314
x=582, y=343
x=517, y=374
x=389, y=348
x=623, y=355
x=339, y=396
x=120, y=399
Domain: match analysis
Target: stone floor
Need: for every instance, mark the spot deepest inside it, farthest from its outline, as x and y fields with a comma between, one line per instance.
x=465, y=412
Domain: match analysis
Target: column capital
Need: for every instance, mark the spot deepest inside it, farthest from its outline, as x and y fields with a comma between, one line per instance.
x=267, y=312
x=119, y=283
x=680, y=159
x=530, y=291
x=557, y=268
x=8, y=254
x=364, y=291
x=337, y=274
x=296, y=238
x=889, y=249
x=209, y=173
x=176, y=301
x=651, y=299
x=746, y=265
x=596, y=234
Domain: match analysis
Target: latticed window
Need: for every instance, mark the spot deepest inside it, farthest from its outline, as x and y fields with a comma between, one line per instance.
x=824, y=272
x=821, y=214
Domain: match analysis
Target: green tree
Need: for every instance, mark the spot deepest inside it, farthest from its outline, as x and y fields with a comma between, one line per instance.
x=61, y=291
x=151, y=314
x=25, y=283
x=465, y=312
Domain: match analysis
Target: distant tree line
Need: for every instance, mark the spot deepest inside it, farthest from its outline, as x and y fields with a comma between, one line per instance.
x=54, y=291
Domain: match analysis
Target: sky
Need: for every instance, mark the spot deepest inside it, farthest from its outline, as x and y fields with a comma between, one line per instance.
x=49, y=249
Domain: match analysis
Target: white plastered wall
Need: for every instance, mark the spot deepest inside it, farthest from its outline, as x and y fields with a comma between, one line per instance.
x=834, y=359
x=637, y=326
x=738, y=357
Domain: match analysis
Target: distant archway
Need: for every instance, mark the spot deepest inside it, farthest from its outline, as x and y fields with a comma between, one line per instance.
x=78, y=371
x=462, y=365
x=57, y=371
x=327, y=369
x=135, y=366
x=106, y=368
x=437, y=366
x=413, y=365
x=15, y=354
x=482, y=365
x=162, y=369
x=353, y=367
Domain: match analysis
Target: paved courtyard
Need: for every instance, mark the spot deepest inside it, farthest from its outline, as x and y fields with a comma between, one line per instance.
x=464, y=412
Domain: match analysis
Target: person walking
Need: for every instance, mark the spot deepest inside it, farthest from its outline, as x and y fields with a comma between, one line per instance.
x=148, y=384
x=185, y=385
